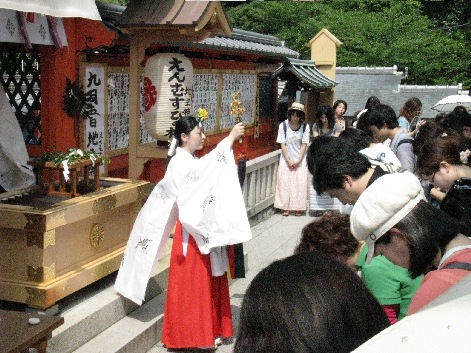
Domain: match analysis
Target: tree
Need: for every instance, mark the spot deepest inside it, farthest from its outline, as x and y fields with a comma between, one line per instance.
x=373, y=33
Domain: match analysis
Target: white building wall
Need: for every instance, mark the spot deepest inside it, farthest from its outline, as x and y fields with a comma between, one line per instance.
x=356, y=84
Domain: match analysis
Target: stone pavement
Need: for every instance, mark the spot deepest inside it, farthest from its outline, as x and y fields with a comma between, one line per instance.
x=273, y=239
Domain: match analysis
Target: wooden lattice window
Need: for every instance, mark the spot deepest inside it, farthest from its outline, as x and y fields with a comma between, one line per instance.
x=22, y=83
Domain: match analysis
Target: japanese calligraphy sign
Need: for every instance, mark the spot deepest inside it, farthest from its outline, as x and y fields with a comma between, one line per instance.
x=168, y=87
x=94, y=86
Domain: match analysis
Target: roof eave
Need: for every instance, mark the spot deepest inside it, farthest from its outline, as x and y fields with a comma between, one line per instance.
x=306, y=72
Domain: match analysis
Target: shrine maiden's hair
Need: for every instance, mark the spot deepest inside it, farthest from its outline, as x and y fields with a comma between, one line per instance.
x=184, y=125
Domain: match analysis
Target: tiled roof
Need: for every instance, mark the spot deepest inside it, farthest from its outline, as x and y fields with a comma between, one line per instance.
x=246, y=42
x=306, y=72
x=238, y=41
x=368, y=70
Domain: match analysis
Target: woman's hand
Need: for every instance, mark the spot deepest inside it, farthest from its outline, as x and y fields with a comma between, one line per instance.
x=417, y=128
x=237, y=132
x=293, y=165
x=437, y=194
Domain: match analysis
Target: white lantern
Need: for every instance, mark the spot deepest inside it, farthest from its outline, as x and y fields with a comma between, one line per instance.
x=168, y=87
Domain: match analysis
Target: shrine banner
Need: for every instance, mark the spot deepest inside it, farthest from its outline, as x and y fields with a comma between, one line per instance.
x=94, y=87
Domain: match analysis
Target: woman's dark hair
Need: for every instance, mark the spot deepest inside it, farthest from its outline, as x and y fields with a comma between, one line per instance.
x=307, y=303
x=372, y=102
x=184, y=125
x=428, y=230
x=300, y=113
x=457, y=120
x=358, y=139
x=337, y=159
x=439, y=118
x=379, y=115
x=446, y=147
x=411, y=108
x=428, y=132
x=329, y=234
x=339, y=101
x=315, y=150
x=325, y=109
x=362, y=124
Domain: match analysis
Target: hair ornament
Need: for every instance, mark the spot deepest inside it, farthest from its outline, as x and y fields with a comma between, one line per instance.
x=464, y=155
x=444, y=134
x=201, y=115
x=172, y=147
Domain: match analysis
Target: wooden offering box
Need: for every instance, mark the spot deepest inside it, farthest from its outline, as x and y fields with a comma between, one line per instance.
x=53, y=245
x=52, y=180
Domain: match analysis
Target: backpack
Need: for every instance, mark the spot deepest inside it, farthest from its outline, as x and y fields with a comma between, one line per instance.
x=377, y=160
x=404, y=141
x=389, y=167
x=285, y=127
x=458, y=265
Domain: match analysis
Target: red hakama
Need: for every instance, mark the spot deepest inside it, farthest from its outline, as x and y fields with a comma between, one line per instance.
x=197, y=307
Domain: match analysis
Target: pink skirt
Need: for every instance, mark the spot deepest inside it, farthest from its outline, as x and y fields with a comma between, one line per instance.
x=291, y=188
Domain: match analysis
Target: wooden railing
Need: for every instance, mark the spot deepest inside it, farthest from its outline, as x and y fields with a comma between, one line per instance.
x=259, y=185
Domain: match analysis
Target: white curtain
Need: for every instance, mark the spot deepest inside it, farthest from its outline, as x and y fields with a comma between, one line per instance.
x=56, y=8
x=15, y=173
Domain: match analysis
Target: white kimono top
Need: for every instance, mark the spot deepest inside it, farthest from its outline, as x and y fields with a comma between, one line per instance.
x=205, y=195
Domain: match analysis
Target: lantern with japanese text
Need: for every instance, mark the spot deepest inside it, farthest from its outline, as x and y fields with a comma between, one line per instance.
x=168, y=87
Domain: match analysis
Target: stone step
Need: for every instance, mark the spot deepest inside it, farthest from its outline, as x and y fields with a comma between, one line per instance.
x=98, y=319
x=94, y=310
x=135, y=333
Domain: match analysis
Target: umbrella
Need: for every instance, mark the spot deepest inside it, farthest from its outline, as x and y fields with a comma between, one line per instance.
x=449, y=103
x=442, y=326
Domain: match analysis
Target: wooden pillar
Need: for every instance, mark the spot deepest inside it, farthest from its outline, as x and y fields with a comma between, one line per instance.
x=134, y=108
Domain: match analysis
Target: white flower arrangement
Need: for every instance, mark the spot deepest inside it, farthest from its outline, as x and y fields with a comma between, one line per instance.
x=464, y=155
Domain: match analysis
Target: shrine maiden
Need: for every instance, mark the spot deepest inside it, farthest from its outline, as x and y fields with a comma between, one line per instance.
x=204, y=199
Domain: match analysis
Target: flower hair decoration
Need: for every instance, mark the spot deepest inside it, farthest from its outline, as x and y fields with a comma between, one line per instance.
x=464, y=155
x=201, y=115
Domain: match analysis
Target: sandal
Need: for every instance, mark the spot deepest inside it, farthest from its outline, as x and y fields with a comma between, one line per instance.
x=285, y=213
x=298, y=213
x=218, y=341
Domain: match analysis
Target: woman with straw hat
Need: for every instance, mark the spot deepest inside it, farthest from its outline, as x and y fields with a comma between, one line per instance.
x=291, y=182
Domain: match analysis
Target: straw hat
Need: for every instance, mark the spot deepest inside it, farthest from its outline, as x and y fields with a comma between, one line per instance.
x=297, y=106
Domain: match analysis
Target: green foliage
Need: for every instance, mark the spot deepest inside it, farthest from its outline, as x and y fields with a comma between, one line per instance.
x=72, y=155
x=372, y=32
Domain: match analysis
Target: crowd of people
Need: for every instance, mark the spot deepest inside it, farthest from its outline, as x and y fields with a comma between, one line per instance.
x=399, y=241
x=407, y=231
